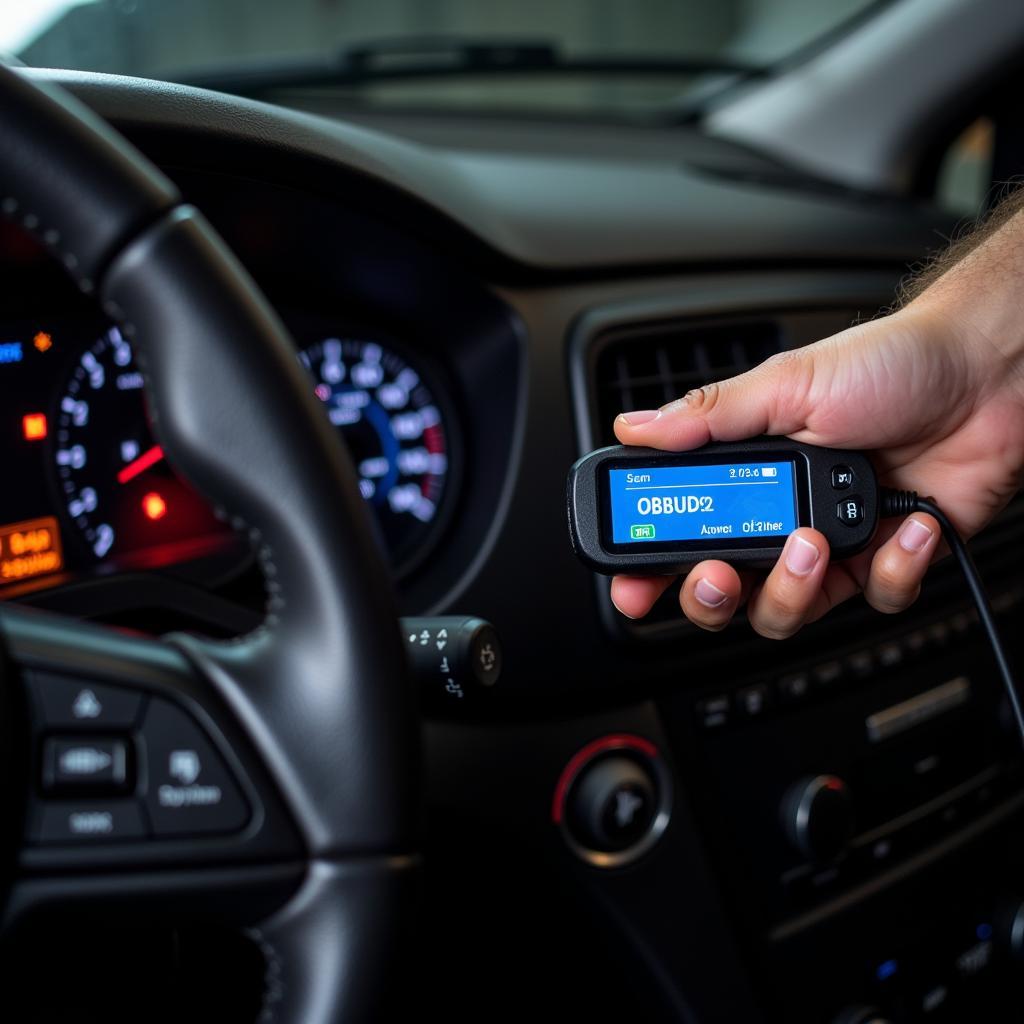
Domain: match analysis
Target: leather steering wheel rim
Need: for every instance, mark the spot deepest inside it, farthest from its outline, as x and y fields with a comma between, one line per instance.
x=321, y=690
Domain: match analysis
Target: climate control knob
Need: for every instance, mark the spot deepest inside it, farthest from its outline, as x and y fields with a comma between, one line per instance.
x=817, y=814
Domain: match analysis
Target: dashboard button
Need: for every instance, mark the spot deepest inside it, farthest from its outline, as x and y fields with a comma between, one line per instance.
x=189, y=790
x=890, y=655
x=842, y=478
x=62, y=702
x=88, y=822
x=85, y=762
x=713, y=712
x=976, y=959
x=828, y=674
x=794, y=687
x=915, y=643
x=754, y=701
x=850, y=511
x=860, y=664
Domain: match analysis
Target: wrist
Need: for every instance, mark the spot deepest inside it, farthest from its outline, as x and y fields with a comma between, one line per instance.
x=974, y=310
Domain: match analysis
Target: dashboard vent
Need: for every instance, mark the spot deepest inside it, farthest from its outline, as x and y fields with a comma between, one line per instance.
x=645, y=367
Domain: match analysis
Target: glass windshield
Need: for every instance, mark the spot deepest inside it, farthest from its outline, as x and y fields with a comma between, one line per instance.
x=600, y=55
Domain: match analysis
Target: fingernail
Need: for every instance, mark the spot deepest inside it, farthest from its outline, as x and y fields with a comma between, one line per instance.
x=708, y=594
x=620, y=611
x=801, y=556
x=639, y=417
x=914, y=535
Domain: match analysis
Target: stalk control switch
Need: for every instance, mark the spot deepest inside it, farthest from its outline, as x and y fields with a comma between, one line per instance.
x=455, y=658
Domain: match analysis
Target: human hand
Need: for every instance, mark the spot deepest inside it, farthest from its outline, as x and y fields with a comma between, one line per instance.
x=927, y=389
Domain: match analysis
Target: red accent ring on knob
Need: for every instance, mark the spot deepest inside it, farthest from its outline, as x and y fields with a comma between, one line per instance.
x=579, y=760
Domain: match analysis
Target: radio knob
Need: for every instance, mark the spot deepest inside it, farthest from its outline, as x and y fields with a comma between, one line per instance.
x=817, y=814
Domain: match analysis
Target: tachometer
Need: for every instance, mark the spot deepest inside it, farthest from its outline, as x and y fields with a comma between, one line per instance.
x=392, y=424
x=127, y=504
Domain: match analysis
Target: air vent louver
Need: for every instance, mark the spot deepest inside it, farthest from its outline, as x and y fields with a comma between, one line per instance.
x=643, y=367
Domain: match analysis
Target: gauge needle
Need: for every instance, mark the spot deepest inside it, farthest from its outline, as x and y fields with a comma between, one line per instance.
x=141, y=464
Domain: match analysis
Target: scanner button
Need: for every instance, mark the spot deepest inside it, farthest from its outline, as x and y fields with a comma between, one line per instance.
x=850, y=510
x=842, y=477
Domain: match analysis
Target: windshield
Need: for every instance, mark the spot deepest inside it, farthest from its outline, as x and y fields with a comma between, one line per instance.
x=602, y=56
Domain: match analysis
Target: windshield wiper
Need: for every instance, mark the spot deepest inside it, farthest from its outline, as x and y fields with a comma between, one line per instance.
x=444, y=57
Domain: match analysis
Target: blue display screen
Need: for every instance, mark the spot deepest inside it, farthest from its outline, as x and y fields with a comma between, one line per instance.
x=713, y=503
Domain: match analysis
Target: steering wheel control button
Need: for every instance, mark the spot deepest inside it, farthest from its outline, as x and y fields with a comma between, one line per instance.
x=88, y=822
x=850, y=511
x=842, y=478
x=189, y=789
x=62, y=702
x=99, y=765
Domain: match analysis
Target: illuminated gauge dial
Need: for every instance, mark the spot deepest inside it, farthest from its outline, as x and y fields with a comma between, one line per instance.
x=395, y=433
x=127, y=505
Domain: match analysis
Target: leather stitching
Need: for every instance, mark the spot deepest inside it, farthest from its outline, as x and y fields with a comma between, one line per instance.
x=50, y=237
x=264, y=552
x=273, y=981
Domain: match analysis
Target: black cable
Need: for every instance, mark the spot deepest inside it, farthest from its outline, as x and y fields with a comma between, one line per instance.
x=900, y=503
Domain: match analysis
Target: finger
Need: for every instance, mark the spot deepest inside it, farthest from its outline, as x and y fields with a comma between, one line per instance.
x=710, y=595
x=790, y=592
x=772, y=398
x=634, y=596
x=838, y=584
x=900, y=563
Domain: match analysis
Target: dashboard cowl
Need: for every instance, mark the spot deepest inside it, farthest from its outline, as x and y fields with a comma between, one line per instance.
x=526, y=210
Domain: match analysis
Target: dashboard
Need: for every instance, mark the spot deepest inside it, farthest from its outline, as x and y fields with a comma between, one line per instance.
x=474, y=301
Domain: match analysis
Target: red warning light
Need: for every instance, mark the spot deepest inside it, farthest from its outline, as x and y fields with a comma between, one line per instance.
x=33, y=426
x=43, y=341
x=153, y=506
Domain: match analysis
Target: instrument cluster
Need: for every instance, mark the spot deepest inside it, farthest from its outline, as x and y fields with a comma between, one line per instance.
x=89, y=490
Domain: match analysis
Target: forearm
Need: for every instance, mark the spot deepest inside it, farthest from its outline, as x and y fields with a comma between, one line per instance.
x=974, y=293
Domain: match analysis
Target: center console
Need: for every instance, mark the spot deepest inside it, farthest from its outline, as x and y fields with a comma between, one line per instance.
x=862, y=812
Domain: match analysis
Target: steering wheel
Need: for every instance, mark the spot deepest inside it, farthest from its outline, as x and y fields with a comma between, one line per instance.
x=268, y=780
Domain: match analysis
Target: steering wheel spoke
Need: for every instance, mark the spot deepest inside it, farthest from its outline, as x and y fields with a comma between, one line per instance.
x=138, y=782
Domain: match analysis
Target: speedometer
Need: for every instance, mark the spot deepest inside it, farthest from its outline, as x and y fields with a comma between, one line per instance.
x=127, y=505
x=394, y=429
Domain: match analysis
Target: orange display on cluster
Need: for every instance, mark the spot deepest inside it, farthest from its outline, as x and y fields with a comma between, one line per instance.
x=30, y=548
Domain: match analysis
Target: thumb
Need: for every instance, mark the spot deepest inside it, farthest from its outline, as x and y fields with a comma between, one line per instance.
x=772, y=398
